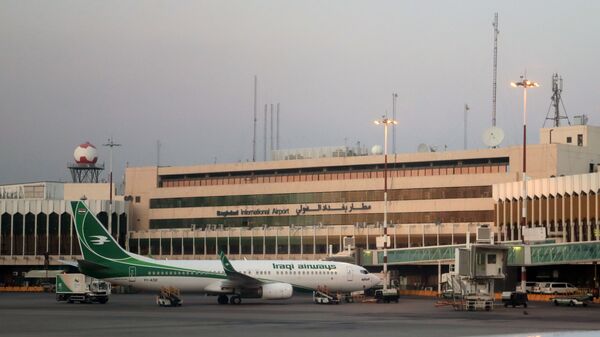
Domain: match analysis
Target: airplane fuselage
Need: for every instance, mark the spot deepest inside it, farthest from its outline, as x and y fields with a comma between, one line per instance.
x=205, y=276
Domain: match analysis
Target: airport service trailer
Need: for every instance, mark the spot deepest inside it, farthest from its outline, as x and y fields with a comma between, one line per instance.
x=81, y=288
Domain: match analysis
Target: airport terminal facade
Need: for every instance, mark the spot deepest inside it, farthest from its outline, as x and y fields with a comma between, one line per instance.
x=305, y=208
x=314, y=207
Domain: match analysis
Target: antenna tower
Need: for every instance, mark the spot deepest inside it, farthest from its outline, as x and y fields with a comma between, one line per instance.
x=495, y=75
x=556, y=101
x=254, y=134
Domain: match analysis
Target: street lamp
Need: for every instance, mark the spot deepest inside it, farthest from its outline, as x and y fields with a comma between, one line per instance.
x=525, y=84
x=110, y=144
x=385, y=122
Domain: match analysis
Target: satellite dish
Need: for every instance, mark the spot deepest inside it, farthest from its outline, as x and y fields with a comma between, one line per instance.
x=376, y=149
x=423, y=148
x=493, y=136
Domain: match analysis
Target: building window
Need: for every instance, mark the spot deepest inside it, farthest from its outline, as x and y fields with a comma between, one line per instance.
x=569, y=140
x=137, y=199
x=579, y=140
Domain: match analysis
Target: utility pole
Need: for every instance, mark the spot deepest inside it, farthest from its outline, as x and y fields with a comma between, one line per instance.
x=110, y=144
x=158, y=144
x=277, y=127
x=271, y=143
x=265, y=135
x=394, y=97
x=465, y=125
x=254, y=134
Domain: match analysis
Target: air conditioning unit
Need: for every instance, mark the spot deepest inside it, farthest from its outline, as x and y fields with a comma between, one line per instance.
x=484, y=234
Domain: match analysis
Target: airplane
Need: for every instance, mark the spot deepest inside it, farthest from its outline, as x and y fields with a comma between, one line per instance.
x=231, y=281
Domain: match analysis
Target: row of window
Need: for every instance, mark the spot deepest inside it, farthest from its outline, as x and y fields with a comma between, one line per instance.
x=34, y=234
x=328, y=219
x=325, y=176
x=248, y=272
x=325, y=197
x=574, y=208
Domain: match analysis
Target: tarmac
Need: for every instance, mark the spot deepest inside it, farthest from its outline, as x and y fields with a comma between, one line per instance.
x=135, y=315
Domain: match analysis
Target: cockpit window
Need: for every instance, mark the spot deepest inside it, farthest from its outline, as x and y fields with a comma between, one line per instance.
x=363, y=271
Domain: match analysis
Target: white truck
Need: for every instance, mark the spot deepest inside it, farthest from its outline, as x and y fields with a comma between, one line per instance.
x=81, y=288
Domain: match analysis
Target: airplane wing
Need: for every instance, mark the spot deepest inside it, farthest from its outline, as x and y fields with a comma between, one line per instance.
x=69, y=263
x=236, y=277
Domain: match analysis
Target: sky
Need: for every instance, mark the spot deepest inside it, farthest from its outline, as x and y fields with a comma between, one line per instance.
x=182, y=73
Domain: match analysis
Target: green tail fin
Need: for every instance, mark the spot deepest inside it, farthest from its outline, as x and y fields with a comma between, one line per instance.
x=227, y=267
x=97, y=245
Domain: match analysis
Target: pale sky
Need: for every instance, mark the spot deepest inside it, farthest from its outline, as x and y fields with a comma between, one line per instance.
x=182, y=72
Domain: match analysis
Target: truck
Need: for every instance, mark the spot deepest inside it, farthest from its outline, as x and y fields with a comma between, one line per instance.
x=81, y=288
x=387, y=295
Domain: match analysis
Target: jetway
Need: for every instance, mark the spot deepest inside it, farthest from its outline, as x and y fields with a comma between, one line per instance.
x=518, y=254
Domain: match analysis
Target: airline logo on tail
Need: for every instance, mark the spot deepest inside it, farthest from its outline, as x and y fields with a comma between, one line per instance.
x=99, y=240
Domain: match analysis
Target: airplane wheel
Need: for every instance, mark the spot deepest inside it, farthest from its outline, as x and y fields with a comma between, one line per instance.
x=223, y=299
x=236, y=299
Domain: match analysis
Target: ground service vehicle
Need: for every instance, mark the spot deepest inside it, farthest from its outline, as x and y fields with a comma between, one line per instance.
x=81, y=288
x=514, y=299
x=169, y=297
x=387, y=295
x=320, y=297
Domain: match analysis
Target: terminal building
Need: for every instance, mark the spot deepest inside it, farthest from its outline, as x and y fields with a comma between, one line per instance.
x=305, y=208
x=313, y=204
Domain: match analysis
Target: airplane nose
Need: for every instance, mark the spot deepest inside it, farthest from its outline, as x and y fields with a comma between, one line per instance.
x=375, y=280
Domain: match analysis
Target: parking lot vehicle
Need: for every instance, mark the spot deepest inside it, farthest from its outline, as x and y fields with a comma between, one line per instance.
x=571, y=301
x=529, y=287
x=514, y=299
x=81, y=288
x=557, y=288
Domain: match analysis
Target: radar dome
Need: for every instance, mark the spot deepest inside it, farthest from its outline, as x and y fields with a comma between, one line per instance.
x=86, y=153
x=377, y=149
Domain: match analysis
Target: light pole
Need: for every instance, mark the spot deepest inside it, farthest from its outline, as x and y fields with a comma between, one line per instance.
x=385, y=122
x=110, y=144
x=394, y=98
x=525, y=84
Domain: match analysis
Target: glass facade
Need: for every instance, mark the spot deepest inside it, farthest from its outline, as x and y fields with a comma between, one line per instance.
x=328, y=219
x=325, y=197
x=371, y=171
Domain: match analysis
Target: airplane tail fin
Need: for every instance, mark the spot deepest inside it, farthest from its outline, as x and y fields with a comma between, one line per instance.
x=96, y=243
x=227, y=267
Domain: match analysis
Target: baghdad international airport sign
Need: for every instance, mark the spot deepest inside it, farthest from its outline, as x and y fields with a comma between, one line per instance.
x=300, y=210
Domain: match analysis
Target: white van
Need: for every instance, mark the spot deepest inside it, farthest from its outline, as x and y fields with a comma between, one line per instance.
x=557, y=288
x=529, y=287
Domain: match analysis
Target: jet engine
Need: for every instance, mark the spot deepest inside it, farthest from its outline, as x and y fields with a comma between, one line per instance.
x=269, y=291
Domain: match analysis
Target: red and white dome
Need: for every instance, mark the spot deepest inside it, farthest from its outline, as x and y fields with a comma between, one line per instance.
x=86, y=153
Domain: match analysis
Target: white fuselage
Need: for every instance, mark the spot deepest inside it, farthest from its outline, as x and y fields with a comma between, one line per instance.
x=301, y=274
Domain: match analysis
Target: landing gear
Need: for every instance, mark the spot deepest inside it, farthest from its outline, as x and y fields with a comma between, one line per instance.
x=223, y=299
x=235, y=299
